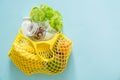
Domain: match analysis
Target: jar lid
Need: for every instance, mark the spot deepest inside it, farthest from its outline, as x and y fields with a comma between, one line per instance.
x=26, y=18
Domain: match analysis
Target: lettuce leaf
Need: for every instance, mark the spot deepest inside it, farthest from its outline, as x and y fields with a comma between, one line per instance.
x=45, y=13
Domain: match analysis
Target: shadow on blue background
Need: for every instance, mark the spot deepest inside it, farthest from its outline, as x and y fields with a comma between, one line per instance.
x=67, y=74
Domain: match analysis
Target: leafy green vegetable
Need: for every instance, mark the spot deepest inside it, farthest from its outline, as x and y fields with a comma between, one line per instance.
x=45, y=13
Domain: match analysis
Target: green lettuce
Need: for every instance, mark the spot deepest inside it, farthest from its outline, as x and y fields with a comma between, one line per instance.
x=45, y=13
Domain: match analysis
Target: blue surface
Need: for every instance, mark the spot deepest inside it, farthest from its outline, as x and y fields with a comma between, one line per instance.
x=92, y=25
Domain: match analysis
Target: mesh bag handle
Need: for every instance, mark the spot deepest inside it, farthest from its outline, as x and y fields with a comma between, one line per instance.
x=45, y=46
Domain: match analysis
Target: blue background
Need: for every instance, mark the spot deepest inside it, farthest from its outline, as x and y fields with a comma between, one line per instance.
x=92, y=25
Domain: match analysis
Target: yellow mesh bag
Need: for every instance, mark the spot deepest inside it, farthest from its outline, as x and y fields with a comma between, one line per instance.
x=47, y=57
